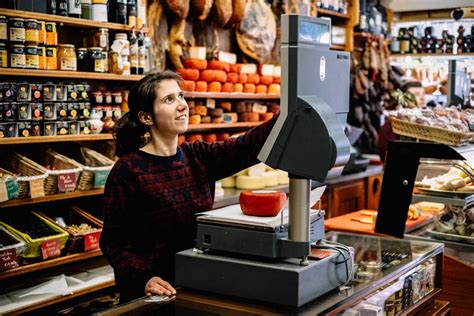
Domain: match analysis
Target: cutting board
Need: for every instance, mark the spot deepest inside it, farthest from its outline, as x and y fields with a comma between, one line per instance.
x=350, y=223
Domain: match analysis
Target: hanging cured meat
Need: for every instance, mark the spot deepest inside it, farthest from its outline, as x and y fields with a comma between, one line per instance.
x=205, y=34
x=223, y=10
x=178, y=7
x=158, y=34
x=238, y=11
x=201, y=8
x=256, y=33
x=181, y=39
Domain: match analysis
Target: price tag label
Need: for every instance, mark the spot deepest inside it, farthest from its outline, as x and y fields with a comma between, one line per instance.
x=51, y=248
x=36, y=188
x=67, y=182
x=8, y=259
x=100, y=178
x=91, y=241
x=3, y=192
x=211, y=103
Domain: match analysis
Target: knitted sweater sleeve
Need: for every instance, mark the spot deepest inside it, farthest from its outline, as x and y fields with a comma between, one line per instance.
x=119, y=196
x=225, y=158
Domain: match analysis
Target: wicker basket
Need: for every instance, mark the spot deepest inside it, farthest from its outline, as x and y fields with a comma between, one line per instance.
x=33, y=246
x=58, y=166
x=8, y=185
x=434, y=134
x=28, y=172
x=95, y=167
x=76, y=216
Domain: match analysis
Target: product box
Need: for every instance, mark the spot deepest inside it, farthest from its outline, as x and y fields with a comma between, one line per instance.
x=49, y=111
x=49, y=92
x=36, y=111
x=10, y=111
x=62, y=111
x=8, y=91
x=73, y=127
x=72, y=111
x=61, y=92
x=62, y=128
x=24, y=92
x=24, y=129
x=24, y=111
x=84, y=110
x=49, y=128
x=84, y=127
x=36, y=128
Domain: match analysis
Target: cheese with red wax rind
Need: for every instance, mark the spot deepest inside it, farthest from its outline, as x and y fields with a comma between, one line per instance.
x=262, y=203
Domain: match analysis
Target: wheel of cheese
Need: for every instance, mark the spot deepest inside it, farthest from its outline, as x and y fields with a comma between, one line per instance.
x=249, y=183
x=228, y=182
x=221, y=76
x=218, y=65
x=228, y=87
x=210, y=138
x=239, y=107
x=201, y=110
x=257, y=170
x=205, y=119
x=249, y=88
x=232, y=77
x=231, y=117
x=207, y=75
x=194, y=63
x=238, y=87
x=276, y=79
x=201, y=86
x=274, y=88
x=261, y=88
x=222, y=136
x=181, y=139
x=262, y=203
x=248, y=117
x=188, y=74
x=189, y=85
x=254, y=78
x=195, y=119
x=270, y=178
x=194, y=138
x=236, y=68
x=265, y=116
x=217, y=119
x=227, y=106
x=266, y=80
x=243, y=78
x=215, y=112
x=214, y=86
x=283, y=177
x=243, y=172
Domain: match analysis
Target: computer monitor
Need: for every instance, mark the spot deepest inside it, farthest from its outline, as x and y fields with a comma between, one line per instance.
x=459, y=85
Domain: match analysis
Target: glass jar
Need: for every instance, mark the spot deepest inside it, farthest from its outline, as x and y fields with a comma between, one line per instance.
x=86, y=9
x=3, y=55
x=41, y=57
x=395, y=45
x=67, y=57
x=121, y=41
x=126, y=65
x=51, y=34
x=81, y=59
x=99, y=10
x=74, y=9
x=105, y=58
x=3, y=28
x=117, y=98
x=51, y=58
x=101, y=39
x=96, y=59
x=32, y=60
x=32, y=32
x=42, y=32
x=17, y=56
x=116, y=65
x=17, y=30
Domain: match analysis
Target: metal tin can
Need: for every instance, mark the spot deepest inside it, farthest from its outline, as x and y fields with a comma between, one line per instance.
x=32, y=59
x=17, y=56
x=17, y=30
x=51, y=58
x=3, y=28
x=3, y=56
x=32, y=32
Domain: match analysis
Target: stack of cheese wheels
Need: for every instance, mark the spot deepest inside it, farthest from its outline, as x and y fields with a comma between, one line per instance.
x=208, y=137
x=224, y=74
x=256, y=177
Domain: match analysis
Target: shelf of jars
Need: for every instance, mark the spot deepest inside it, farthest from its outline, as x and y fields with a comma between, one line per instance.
x=216, y=126
x=49, y=263
x=67, y=74
x=51, y=198
x=67, y=21
x=231, y=95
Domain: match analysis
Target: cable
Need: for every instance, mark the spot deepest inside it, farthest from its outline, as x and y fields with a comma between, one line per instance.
x=340, y=248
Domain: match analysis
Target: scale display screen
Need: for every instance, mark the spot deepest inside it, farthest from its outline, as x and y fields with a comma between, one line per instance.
x=314, y=32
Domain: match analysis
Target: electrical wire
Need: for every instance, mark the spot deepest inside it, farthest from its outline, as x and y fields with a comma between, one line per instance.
x=342, y=250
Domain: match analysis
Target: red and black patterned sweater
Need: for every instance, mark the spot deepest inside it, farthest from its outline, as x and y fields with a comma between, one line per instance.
x=150, y=202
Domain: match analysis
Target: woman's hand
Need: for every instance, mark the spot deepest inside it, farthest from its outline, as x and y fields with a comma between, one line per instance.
x=157, y=285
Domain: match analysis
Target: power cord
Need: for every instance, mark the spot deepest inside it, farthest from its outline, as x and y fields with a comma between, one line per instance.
x=343, y=251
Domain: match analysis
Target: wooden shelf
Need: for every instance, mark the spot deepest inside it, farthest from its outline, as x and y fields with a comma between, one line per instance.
x=213, y=126
x=421, y=304
x=67, y=21
x=233, y=95
x=67, y=74
x=49, y=263
x=54, y=139
x=50, y=198
x=338, y=47
x=332, y=14
x=62, y=298
x=432, y=55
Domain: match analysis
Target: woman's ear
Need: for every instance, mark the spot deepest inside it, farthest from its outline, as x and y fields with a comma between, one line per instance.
x=145, y=118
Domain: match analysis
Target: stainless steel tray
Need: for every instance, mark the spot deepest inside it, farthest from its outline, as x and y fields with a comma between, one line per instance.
x=459, y=194
x=451, y=237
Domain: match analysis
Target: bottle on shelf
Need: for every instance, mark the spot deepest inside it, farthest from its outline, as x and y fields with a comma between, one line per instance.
x=52, y=7
x=86, y=9
x=141, y=53
x=62, y=7
x=363, y=26
x=132, y=13
x=134, y=59
x=118, y=11
x=74, y=8
x=404, y=41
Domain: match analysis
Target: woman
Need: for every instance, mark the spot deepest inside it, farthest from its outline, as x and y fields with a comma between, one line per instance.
x=153, y=191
